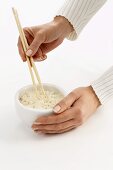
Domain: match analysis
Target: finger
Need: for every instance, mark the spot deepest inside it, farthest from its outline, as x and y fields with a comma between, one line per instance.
x=56, y=127
x=34, y=46
x=54, y=119
x=38, y=59
x=29, y=37
x=56, y=131
x=39, y=56
x=20, y=49
x=66, y=102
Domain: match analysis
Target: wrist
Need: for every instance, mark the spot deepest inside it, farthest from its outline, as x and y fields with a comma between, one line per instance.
x=63, y=25
x=96, y=99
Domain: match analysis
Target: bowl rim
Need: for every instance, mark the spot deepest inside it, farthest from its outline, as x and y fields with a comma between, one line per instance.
x=33, y=109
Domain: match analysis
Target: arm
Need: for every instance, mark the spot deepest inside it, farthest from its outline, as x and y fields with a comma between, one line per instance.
x=73, y=16
x=81, y=103
x=79, y=13
x=103, y=86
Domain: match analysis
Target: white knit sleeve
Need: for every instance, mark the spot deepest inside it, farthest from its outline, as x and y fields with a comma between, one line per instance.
x=103, y=86
x=79, y=12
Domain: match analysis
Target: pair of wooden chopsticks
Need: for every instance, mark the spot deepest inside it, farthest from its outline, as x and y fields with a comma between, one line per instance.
x=30, y=60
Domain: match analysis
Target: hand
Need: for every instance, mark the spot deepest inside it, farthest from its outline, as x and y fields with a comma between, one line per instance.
x=43, y=39
x=70, y=113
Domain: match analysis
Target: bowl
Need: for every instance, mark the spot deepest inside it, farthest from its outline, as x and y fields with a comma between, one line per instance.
x=29, y=115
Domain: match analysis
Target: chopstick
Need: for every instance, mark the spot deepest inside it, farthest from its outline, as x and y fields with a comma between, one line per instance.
x=30, y=60
x=24, y=47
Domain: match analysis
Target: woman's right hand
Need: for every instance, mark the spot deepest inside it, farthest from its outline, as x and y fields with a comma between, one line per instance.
x=43, y=39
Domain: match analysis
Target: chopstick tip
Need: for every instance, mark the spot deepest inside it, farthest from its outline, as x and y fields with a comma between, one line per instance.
x=14, y=10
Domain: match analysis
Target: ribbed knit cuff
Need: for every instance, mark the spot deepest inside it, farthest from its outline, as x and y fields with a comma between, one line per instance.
x=78, y=13
x=103, y=86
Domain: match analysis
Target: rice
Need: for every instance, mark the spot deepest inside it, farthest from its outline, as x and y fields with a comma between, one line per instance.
x=29, y=99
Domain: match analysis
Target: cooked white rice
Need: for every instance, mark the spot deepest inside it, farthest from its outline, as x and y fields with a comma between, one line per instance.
x=29, y=99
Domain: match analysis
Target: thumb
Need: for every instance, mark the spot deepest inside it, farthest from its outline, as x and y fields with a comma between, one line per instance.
x=66, y=103
x=33, y=48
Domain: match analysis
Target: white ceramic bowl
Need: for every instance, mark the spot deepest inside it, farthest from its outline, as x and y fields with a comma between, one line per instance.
x=29, y=115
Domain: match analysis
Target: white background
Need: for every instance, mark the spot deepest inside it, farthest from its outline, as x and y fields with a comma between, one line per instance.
x=73, y=64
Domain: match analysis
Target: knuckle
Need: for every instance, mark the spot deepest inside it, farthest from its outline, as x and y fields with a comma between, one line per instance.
x=63, y=103
x=33, y=46
x=72, y=94
x=80, y=116
x=25, y=29
x=40, y=34
x=79, y=111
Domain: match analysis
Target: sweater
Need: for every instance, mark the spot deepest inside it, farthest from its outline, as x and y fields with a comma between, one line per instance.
x=79, y=13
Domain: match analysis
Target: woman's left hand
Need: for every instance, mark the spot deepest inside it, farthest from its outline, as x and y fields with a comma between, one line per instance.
x=70, y=113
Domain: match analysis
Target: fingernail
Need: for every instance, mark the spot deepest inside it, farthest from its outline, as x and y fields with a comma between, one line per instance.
x=38, y=131
x=56, y=109
x=35, y=129
x=37, y=123
x=44, y=57
x=24, y=60
x=38, y=59
x=29, y=52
